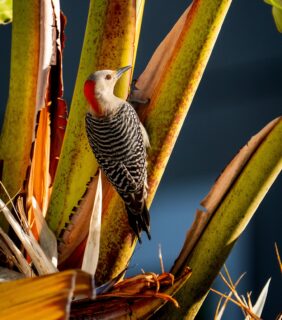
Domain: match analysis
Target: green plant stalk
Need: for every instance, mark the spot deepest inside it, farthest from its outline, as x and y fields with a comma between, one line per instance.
x=276, y=12
x=163, y=120
x=227, y=224
x=18, y=129
x=6, y=11
x=108, y=44
x=140, y=5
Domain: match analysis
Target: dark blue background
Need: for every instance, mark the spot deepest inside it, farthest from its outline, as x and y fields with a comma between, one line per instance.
x=239, y=93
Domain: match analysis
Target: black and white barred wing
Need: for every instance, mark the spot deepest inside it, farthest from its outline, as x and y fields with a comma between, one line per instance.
x=118, y=145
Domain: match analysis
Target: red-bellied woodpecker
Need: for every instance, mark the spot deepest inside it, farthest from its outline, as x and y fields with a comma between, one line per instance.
x=119, y=141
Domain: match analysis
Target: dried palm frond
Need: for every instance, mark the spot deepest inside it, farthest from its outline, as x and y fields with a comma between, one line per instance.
x=252, y=312
x=139, y=296
x=220, y=309
x=46, y=297
x=42, y=263
x=91, y=252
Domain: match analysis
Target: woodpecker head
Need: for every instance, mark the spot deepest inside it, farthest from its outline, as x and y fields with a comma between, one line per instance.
x=99, y=90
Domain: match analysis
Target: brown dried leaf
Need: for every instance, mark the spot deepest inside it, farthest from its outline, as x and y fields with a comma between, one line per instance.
x=39, y=180
x=134, y=297
x=58, y=128
x=92, y=249
x=41, y=262
x=77, y=230
x=47, y=239
x=73, y=238
x=278, y=257
x=11, y=251
x=50, y=112
x=59, y=107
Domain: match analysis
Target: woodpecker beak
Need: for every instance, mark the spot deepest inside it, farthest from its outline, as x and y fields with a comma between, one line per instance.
x=121, y=71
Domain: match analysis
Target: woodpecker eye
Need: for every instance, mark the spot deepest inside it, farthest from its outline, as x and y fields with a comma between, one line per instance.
x=108, y=77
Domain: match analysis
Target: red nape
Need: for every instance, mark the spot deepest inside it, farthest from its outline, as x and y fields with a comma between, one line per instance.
x=89, y=87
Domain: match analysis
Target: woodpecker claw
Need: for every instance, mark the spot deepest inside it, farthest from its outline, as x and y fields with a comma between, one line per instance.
x=139, y=239
x=133, y=100
x=133, y=95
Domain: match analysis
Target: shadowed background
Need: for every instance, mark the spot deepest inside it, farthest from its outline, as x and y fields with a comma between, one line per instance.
x=240, y=92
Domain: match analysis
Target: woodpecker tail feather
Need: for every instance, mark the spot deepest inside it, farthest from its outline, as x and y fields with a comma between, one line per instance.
x=139, y=221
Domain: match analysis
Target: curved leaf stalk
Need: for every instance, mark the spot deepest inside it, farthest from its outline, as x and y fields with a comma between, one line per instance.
x=16, y=138
x=217, y=193
x=171, y=97
x=108, y=44
x=228, y=223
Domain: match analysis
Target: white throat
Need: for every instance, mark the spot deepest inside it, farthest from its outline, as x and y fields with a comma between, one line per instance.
x=109, y=103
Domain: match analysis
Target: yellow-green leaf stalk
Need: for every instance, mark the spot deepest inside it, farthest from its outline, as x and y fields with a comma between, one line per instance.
x=6, y=11
x=276, y=12
x=227, y=224
x=173, y=96
x=17, y=132
x=140, y=4
x=108, y=44
x=170, y=102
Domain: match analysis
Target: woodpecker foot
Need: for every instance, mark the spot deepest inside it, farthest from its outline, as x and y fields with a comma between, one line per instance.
x=133, y=95
x=133, y=100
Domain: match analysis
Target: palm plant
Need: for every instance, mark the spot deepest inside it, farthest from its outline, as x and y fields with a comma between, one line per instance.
x=51, y=164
